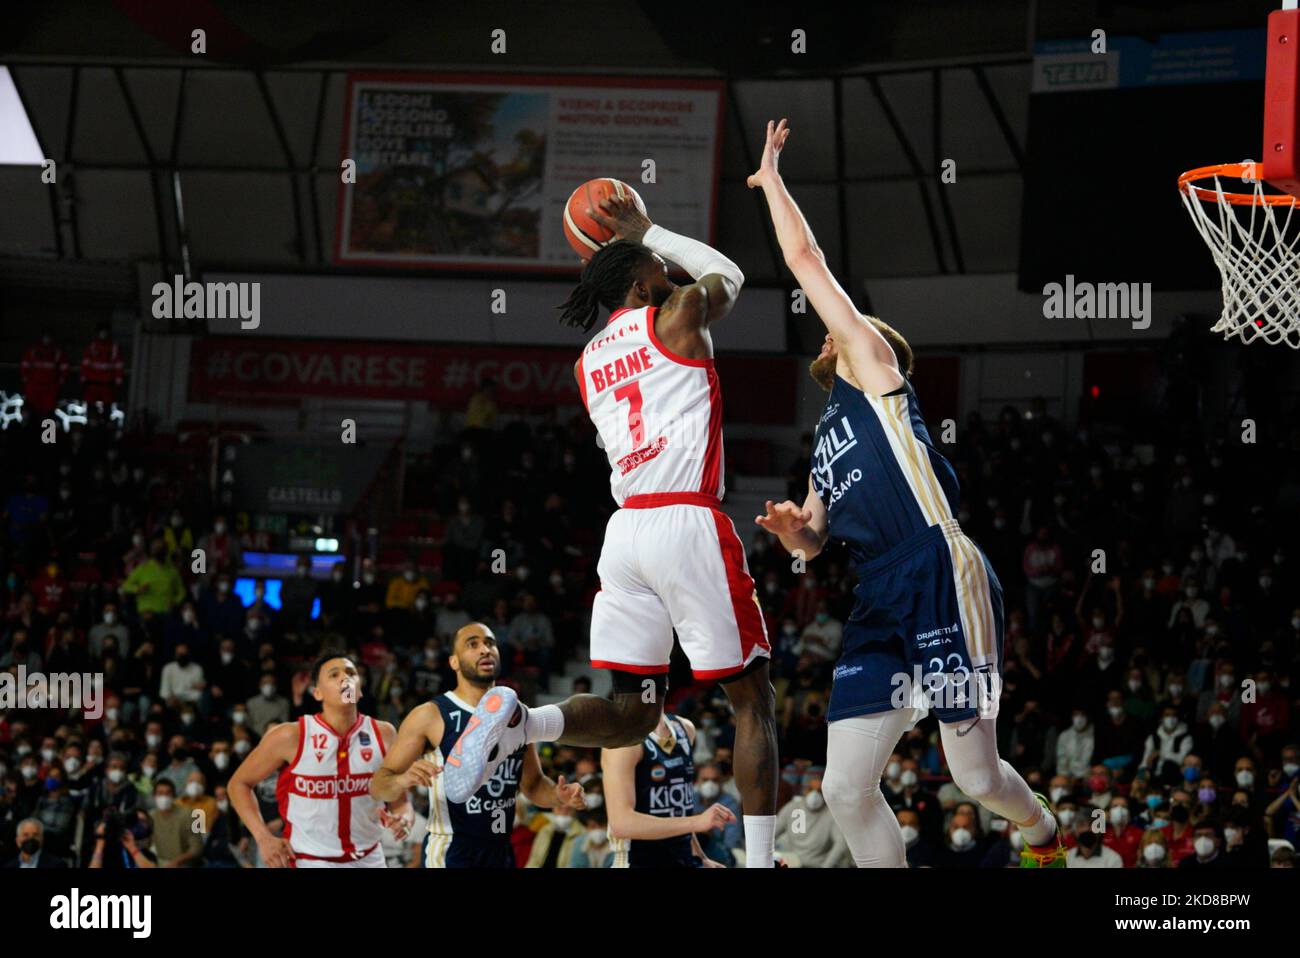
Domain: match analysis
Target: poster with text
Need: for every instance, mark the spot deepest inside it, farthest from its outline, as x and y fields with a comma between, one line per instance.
x=472, y=172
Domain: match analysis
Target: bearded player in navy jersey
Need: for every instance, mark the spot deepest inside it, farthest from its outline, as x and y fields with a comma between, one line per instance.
x=474, y=833
x=926, y=630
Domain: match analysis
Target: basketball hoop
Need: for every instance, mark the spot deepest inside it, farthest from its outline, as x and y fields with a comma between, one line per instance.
x=1255, y=240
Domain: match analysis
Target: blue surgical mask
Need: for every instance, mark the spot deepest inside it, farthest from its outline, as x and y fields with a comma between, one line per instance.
x=1191, y=774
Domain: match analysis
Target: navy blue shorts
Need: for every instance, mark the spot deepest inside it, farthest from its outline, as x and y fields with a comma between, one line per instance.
x=465, y=852
x=926, y=632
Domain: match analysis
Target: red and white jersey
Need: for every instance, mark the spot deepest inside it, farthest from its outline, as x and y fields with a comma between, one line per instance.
x=659, y=415
x=324, y=793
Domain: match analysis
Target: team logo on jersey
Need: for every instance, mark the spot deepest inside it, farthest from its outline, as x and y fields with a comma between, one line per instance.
x=658, y=773
x=320, y=756
x=363, y=738
x=367, y=754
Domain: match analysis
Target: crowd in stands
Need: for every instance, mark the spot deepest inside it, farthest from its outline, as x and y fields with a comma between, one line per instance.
x=1153, y=622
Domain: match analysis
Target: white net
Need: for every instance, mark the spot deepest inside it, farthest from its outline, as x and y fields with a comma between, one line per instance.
x=1256, y=245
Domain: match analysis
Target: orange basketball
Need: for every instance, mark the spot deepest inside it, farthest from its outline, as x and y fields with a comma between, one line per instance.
x=584, y=234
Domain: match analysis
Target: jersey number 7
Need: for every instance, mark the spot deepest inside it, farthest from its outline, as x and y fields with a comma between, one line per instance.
x=635, y=424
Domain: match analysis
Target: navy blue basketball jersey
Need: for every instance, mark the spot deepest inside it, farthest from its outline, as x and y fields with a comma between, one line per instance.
x=665, y=786
x=474, y=834
x=877, y=472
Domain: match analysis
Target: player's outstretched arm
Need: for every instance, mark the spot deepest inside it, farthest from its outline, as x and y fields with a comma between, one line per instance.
x=802, y=530
x=277, y=748
x=869, y=353
x=618, y=773
x=403, y=766
x=542, y=791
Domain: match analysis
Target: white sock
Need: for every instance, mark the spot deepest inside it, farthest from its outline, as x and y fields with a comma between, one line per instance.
x=1042, y=832
x=760, y=834
x=545, y=723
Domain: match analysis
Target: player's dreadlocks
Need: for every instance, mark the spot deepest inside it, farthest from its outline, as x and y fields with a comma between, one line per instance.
x=605, y=281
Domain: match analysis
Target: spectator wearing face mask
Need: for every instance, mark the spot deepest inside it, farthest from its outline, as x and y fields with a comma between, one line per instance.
x=915, y=797
x=1090, y=851
x=1153, y=851
x=195, y=797
x=1245, y=844
x=920, y=849
x=806, y=828
x=1099, y=674
x=1177, y=697
x=1206, y=852
x=156, y=584
x=1167, y=746
x=1119, y=739
x=175, y=843
x=181, y=680
x=1122, y=836
x=178, y=539
x=145, y=778
x=221, y=549
x=403, y=589
x=1074, y=746
x=57, y=811
x=229, y=677
x=221, y=610
x=961, y=848
x=717, y=843
x=557, y=841
x=267, y=707
x=1191, y=600
x=184, y=628
x=111, y=626
x=30, y=839
x=1226, y=691
x=1265, y=722
x=180, y=766
x=1179, y=832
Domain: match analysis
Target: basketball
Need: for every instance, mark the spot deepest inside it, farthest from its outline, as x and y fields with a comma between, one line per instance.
x=584, y=234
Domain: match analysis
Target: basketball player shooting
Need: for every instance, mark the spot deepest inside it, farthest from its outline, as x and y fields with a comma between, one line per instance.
x=671, y=558
x=928, y=603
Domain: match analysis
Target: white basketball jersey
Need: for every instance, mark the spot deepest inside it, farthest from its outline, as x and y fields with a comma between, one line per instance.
x=324, y=793
x=659, y=415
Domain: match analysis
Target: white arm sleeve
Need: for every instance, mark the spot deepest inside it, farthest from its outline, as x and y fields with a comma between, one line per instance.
x=698, y=259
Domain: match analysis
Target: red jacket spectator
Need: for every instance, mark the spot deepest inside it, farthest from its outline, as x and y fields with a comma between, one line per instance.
x=101, y=369
x=1124, y=843
x=51, y=590
x=44, y=369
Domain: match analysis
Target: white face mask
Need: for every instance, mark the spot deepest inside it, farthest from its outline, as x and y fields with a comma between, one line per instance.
x=1134, y=685
x=1105, y=654
x=148, y=770
x=892, y=770
x=910, y=835
x=163, y=803
x=1115, y=711
x=1226, y=680
x=193, y=789
x=1232, y=835
x=814, y=800
x=223, y=805
x=908, y=778
x=1170, y=722
x=597, y=837
x=241, y=747
x=1119, y=816
x=1175, y=690
x=1216, y=720
x=1245, y=778
x=1017, y=840
x=115, y=775
x=961, y=839
x=239, y=718
x=593, y=800
x=1066, y=816
x=561, y=822
x=1204, y=846
x=221, y=760
x=1058, y=793
x=111, y=714
x=709, y=790
x=268, y=690
x=1080, y=722
x=1155, y=852
x=71, y=764
x=28, y=772
x=1290, y=768
x=47, y=754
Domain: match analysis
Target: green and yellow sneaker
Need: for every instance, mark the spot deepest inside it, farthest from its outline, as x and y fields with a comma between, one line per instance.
x=1044, y=856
